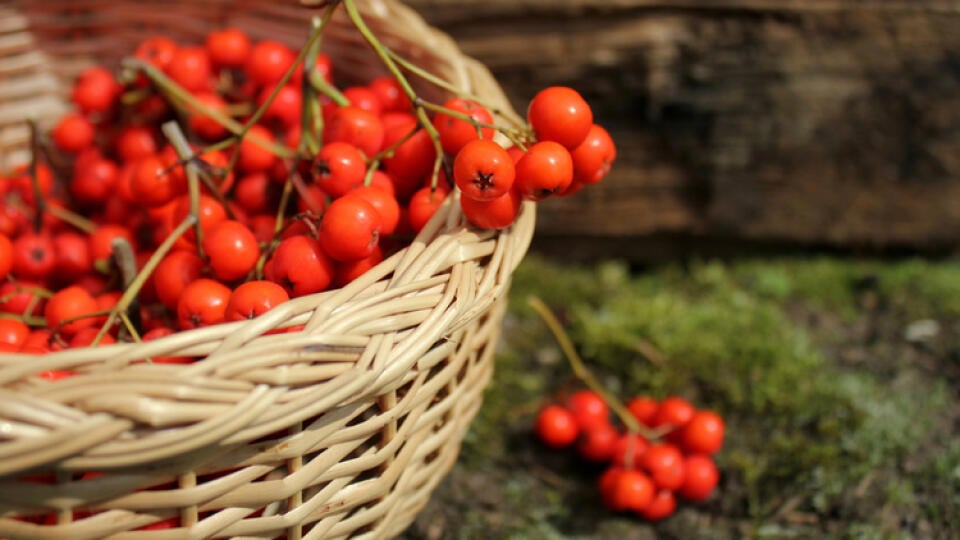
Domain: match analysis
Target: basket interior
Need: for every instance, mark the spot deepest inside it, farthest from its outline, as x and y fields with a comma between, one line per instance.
x=366, y=446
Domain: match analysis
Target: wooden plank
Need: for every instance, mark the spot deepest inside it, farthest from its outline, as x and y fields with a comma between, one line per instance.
x=833, y=122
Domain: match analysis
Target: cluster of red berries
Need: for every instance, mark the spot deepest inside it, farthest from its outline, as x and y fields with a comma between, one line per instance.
x=274, y=218
x=643, y=475
x=571, y=152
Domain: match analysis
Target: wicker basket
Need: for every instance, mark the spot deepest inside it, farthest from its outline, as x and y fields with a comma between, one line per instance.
x=340, y=430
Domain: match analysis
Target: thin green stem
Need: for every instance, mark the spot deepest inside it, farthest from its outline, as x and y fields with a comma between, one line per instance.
x=384, y=55
x=180, y=144
x=130, y=327
x=374, y=163
x=516, y=136
x=28, y=320
x=67, y=216
x=581, y=371
x=320, y=84
x=176, y=92
x=311, y=117
x=133, y=289
x=450, y=87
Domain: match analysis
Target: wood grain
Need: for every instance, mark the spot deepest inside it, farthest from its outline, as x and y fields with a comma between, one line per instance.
x=824, y=121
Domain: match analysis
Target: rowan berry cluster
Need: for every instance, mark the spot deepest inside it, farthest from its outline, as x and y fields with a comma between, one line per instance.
x=204, y=183
x=643, y=474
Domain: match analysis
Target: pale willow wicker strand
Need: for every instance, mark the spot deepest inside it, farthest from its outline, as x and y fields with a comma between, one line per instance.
x=340, y=430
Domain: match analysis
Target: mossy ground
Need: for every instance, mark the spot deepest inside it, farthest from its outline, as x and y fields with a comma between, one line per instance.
x=839, y=380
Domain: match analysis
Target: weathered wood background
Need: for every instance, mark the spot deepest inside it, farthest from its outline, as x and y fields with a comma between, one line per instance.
x=807, y=122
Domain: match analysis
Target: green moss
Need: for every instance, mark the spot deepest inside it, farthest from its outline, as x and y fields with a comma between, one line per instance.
x=804, y=429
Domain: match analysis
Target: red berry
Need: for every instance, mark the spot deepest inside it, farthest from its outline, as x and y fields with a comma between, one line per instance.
x=556, y=426
x=101, y=241
x=545, y=169
x=33, y=256
x=253, y=193
x=301, y=267
x=358, y=127
x=663, y=505
x=232, y=250
x=73, y=133
x=589, y=408
x=456, y=132
x=190, y=68
x=628, y=450
x=598, y=442
x=157, y=50
x=160, y=332
x=65, y=310
x=268, y=62
x=152, y=185
x=424, y=204
x=483, y=170
x=700, y=478
x=202, y=303
x=499, y=213
x=386, y=205
x=560, y=114
x=85, y=337
x=391, y=95
x=412, y=160
x=593, y=157
x=346, y=272
x=95, y=91
x=95, y=181
x=203, y=124
x=134, y=143
x=338, y=168
x=254, y=298
x=629, y=490
x=664, y=462
x=675, y=412
x=703, y=434
x=177, y=270
x=73, y=255
x=6, y=256
x=285, y=107
x=229, y=47
x=210, y=213
x=350, y=229
x=21, y=298
x=254, y=157
x=363, y=98
x=644, y=409
x=12, y=335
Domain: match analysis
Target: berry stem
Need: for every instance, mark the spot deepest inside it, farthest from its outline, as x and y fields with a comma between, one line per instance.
x=581, y=371
x=29, y=320
x=320, y=84
x=311, y=117
x=450, y=87
x=179, y=142
x=176, y=92
x=516, y=136
x=374, y=163
x=384, y=54
x=73, y=218
x=133, y=289
x=126, y=261
x=130, y=327
x=34, y=180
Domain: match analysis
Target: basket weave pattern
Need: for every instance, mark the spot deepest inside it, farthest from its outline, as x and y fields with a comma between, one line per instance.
x=339, y=430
